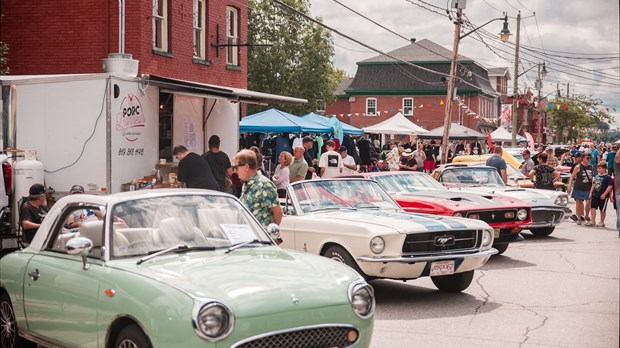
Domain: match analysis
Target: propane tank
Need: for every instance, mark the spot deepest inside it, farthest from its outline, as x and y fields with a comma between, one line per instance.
x=26, y=173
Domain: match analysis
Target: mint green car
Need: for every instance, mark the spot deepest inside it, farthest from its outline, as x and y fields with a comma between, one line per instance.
x=174, y=268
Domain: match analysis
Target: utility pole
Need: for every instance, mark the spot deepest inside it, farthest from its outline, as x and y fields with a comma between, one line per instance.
x=568, y=90
x=515, y=91
x=447, y=121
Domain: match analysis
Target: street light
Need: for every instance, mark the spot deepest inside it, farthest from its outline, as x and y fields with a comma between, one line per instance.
x=504, y=34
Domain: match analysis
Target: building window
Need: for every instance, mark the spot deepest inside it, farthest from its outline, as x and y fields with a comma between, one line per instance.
x=160, y=25
x=408, y=106
x=371, y=106
x=200, y=29
x=320, y=106
x=232, y=36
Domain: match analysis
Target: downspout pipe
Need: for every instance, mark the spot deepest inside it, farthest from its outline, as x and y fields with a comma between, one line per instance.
x=121, y=27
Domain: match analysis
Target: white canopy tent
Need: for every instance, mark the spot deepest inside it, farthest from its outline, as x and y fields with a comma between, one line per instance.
x=501, y=134
x=397, y=124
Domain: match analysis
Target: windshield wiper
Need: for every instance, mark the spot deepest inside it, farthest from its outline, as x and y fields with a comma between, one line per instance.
x=331, y=208
x=167, y=250
x=242, y=244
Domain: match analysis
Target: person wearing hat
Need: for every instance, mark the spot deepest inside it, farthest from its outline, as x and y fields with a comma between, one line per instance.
x=33, y=212
x=348, y=162
x=219, y=163
x=77, y=217
x=552, y=161
x=528, y=162
x=407, y=162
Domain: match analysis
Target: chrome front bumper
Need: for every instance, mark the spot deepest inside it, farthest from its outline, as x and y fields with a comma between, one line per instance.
x=547, y=216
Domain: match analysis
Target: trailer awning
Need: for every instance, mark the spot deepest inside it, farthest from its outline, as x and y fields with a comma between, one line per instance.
x=233, y=94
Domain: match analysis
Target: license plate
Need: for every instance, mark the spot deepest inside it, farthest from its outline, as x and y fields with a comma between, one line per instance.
x=440, y=268
x=496, y=232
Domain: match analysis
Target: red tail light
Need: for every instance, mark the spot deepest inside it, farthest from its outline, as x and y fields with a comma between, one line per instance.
x=7, y=171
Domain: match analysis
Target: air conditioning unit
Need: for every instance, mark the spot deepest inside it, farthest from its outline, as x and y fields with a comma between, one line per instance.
x=351, y=99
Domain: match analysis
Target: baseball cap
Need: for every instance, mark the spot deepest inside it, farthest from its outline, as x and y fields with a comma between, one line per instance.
x=574, y=152
x=36, y=189
x=525, y=152
x=76, y=189
x=578, y=154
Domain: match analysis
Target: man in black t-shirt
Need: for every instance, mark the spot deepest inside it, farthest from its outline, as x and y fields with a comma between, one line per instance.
x=194, y=170
x=219, y=163
x=33, y=212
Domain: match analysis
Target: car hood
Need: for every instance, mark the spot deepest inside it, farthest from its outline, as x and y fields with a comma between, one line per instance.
x=460, y=200
x=532, y=197
x=393, y=220
x=248, y=278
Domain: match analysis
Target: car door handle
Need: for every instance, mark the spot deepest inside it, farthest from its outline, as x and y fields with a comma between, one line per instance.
x=34, y=275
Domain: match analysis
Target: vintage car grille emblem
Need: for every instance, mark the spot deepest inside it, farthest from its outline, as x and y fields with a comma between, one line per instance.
x=493, y=216
x=295, y=299
x=444, y=240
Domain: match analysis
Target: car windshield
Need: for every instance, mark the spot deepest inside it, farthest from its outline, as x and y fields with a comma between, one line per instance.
x=145, y=226
x=513, y=173
x=323, y=195
x=471, y=176
x=408, y=182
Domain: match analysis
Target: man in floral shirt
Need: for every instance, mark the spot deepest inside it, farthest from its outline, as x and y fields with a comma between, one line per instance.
x=259, y=194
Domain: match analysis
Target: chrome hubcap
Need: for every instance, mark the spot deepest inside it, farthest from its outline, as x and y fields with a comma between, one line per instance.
x=8, y=333
x=127, y=344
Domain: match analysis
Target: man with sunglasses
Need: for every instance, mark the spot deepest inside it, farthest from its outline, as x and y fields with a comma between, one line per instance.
x=258, y=194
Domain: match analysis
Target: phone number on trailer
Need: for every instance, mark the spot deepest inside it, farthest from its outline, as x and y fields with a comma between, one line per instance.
x=130, y=151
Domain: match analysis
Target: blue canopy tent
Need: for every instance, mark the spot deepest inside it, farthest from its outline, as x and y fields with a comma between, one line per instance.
x=346, y=128
x=276, y=121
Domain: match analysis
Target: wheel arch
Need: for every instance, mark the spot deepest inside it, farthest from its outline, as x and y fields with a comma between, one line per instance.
x=118, y=324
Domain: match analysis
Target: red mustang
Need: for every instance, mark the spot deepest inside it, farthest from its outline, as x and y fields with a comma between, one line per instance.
x=419, y=193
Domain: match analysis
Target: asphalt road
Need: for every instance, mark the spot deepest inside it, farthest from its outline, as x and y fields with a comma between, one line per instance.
x=558, y=291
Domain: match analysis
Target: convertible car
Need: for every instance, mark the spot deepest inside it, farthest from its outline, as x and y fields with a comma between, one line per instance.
x=548, y=206
x=356, y=222
x=419, y=193
x=175, y=268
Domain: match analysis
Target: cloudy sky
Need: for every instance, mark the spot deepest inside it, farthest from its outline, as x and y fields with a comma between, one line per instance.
x=578, y=40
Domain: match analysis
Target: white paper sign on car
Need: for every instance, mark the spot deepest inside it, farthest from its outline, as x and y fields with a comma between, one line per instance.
x=238, y=233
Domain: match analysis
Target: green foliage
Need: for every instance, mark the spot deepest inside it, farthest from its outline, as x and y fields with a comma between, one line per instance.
x=580, y=115
x=299, y=61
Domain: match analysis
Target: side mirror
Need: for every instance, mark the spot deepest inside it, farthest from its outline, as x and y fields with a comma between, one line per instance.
x=80, y=246
x=273, y=230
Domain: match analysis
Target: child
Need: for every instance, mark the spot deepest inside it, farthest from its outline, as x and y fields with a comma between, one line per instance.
x=600, y=192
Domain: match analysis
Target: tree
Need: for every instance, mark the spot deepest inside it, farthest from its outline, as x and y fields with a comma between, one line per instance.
x=299, y=61
x=572, y=117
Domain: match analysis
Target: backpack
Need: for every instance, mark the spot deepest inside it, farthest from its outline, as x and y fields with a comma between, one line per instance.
x=546, y=180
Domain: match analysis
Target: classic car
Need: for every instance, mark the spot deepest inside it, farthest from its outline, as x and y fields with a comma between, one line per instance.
x=419, y=193
x=356, y=222
x=548, y=206
x=175, y=268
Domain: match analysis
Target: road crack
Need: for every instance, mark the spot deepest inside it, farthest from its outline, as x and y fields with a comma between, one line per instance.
x=486, y=296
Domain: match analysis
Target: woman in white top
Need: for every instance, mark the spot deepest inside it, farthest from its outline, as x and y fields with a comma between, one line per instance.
x=281, y=175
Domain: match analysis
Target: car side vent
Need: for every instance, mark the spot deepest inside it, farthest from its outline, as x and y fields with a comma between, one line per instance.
x=457, y=199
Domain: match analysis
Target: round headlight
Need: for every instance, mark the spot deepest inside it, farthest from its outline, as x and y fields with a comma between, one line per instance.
x=458, y=215
x=561, y=200
x=487, y=237
x=522, y=214
x=214, y=321
x=377, y=244
x=362, y=299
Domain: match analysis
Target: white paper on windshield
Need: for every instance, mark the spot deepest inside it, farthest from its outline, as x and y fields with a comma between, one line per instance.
x=238, y=233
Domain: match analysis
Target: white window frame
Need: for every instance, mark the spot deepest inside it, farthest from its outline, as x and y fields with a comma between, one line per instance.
x=407, y=107
x=320, y=107
x=160, y=25
x=200, y=29
x=232, y=35
x=370, y=107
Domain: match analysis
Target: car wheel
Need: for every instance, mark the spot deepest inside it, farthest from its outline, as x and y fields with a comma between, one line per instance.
x=542, y=231
x=9, y=337
x=454, y=282
x=132, y=337
x=338, y=253
x=501, y=248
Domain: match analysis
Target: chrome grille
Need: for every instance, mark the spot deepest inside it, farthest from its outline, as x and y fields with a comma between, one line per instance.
x=547, y=215
x=426, y=242
x=491, y=216
x=319, y=337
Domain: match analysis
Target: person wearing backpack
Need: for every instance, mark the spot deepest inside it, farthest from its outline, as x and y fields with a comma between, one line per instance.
x=545, y=174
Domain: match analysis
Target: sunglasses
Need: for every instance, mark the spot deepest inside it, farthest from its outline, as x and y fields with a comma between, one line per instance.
x=235, y=166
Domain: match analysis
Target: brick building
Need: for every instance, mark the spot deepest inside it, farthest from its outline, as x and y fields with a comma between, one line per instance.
x=384, y=86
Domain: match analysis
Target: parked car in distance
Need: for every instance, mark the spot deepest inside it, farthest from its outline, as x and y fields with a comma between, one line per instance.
x=175, y=268
x=418, y=192
x=548, y=206
x=356, y=222
x=509, y=158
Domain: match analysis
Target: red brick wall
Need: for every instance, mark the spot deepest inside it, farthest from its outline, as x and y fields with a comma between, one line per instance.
x=431, y=115
x=58, y=37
